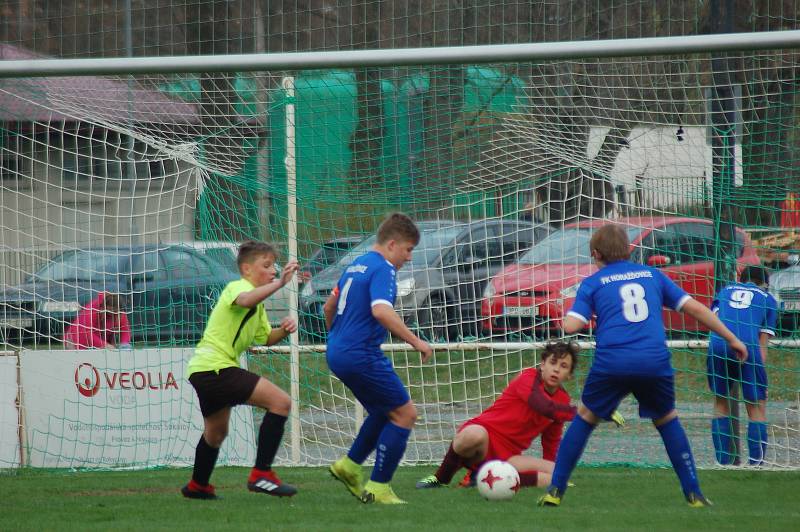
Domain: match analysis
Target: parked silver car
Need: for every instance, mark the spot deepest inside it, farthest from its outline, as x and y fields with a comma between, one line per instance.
x=784, y=285
x=439, y=291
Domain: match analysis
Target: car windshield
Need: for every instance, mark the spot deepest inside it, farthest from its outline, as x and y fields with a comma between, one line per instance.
x=330, y=253
x=430, y=246
x=567, y=246
x=81, y=265
x=224, y=256
x=356, y=252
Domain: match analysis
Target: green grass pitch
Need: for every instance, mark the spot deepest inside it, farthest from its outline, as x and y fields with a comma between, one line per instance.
x=613, y=498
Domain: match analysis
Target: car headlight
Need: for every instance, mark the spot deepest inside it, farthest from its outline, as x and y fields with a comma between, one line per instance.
x=776, y=294
x=405, y=287
x=308, y=290
x=570, y=291
x=489, y=291
x=61, y=306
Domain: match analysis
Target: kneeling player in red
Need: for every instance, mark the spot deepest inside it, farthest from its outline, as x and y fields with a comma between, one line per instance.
x=533, y=404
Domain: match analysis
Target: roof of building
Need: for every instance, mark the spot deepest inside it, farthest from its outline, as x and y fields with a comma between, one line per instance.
x=79, y=98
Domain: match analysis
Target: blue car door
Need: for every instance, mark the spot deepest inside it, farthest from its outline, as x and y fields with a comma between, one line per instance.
x=149, y=309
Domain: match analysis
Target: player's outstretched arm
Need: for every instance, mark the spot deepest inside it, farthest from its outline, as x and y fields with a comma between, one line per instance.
x=329, y=308
x=571, y=324
x=387, y=317
x=287, y=327
x=253, y=297
x=704, y=315
x=763, y=342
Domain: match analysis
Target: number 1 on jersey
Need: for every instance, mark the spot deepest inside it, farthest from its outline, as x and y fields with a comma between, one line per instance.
x=343, y=297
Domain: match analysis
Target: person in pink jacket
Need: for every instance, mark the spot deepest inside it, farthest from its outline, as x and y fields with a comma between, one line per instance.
x=101, y=324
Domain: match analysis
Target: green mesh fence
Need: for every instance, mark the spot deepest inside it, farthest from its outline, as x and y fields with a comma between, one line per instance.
x=144, y=185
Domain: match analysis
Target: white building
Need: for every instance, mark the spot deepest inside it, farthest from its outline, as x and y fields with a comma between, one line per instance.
x=67, y=181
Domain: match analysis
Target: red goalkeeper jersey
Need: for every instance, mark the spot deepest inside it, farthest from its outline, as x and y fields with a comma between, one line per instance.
x=524, y=411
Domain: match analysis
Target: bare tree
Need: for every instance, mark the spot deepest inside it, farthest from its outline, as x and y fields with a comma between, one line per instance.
x=367, y=140
x=215, y=27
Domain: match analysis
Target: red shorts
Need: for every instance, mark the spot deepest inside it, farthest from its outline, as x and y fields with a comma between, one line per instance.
x=499, y=448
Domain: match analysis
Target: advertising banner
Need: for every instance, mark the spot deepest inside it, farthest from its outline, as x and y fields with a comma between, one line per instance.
x=119, y=408
x=9, y=414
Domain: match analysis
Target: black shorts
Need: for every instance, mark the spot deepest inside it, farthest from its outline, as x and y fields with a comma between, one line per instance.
x=229, y=387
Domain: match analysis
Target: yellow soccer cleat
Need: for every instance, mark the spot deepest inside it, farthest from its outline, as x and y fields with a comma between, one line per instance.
x=617, y=418
x=697, y=500
x=430, y=482
x=379, y=493
x=551, y=498
x=348, y=473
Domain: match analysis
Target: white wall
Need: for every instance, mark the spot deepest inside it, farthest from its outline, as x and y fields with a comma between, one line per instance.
x=9, y=414
x=41, y=215
x=655, y=153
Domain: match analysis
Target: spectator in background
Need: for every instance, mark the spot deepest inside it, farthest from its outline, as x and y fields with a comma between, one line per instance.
x=790, y=212
x=101, y=324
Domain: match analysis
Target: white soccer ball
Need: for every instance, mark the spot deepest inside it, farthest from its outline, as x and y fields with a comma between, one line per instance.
x=497, y=480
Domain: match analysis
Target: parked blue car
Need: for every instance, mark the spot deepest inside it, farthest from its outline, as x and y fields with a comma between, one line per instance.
x=168, y=292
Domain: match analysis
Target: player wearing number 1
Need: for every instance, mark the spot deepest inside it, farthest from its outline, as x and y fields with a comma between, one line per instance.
x=631, y=356
x=358, y=314
x=748, y=310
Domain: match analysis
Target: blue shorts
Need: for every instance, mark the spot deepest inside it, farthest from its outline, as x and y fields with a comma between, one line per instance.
x=724, y=371
x=374, y=383
x=602, y=394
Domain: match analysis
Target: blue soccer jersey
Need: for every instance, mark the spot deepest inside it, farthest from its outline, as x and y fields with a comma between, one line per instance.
x=355, y=333
x=627, y=300
x=747, y=311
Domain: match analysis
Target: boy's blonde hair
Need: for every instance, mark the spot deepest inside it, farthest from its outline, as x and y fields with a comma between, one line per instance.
x=611, y=243
x=398, y=226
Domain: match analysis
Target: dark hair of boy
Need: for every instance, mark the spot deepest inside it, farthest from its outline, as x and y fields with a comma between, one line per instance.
x=249, y=250
x=111, y=303
x=757, y=275
x=398, y=226
x=611, y=243
x=560, y=350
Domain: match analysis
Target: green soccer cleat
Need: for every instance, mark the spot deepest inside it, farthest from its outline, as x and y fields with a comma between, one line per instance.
x=698, y=500
x=429, y=482
x=348, y=473
x=379, y=493
x=551, y=498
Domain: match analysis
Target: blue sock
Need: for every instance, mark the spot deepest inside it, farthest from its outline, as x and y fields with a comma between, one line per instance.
x=757, y=441
x=570, y=451
x=680, y=454
x=367, y=437
x=721, y=434
x=391, y=446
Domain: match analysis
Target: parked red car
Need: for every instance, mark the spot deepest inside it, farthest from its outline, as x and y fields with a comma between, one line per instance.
x=532, y=295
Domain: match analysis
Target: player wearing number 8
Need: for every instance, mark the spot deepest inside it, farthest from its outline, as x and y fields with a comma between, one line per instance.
x=631, y=356
x=750, y=312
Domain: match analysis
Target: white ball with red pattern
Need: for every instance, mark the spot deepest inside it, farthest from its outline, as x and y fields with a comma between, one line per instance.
x=497, y=480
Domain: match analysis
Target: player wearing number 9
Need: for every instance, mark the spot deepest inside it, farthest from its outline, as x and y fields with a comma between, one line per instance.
x=631, y=356
x=748, y=310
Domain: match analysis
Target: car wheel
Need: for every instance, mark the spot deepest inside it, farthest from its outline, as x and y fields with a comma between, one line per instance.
x=787, y=324
x=435, y=320
x=312, y=329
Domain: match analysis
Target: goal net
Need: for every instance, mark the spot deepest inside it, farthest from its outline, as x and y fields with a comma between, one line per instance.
x=143, y=186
